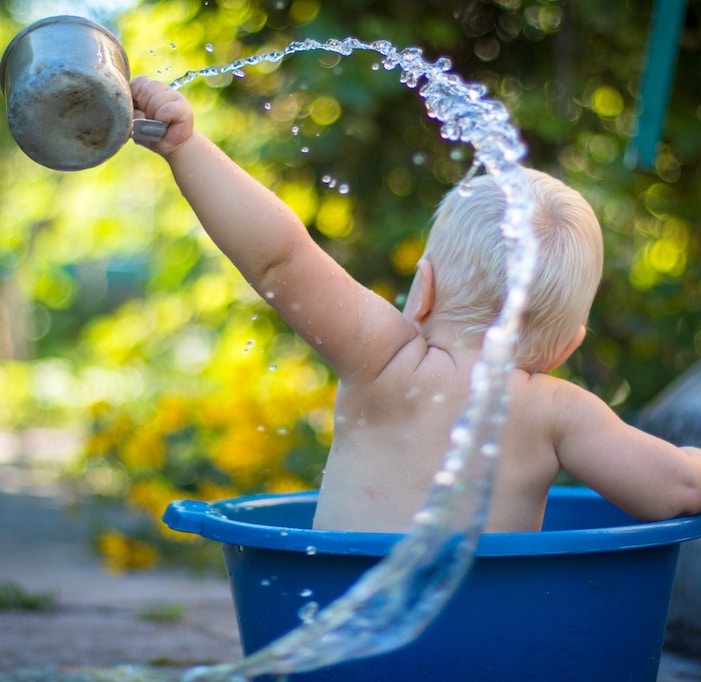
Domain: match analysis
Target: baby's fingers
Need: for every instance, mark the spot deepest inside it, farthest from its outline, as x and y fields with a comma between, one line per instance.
x=158, y=102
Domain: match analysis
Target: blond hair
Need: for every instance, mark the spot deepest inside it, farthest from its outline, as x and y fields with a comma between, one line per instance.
x=468, y=254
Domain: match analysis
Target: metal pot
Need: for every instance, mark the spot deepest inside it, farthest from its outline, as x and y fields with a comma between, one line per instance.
x=66, y=85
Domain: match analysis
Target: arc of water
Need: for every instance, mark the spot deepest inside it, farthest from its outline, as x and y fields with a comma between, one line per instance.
x=394, y=601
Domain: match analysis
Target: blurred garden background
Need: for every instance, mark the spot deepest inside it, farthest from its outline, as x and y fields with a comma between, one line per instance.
x=120, y=321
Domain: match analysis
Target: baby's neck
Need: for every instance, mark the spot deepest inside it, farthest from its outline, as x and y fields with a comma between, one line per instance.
x=446, y=335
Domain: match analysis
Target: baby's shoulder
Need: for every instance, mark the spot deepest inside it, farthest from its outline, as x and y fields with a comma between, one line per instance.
x=537, y=383
x=541, y=394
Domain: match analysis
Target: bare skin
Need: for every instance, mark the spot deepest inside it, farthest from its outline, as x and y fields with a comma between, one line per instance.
x=404, y=376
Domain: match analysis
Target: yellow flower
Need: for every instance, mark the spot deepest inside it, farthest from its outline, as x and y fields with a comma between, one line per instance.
x=98, y=444
x=99, y=410
x=144, y=450
x=109, y=433
x=211, y=492
x=286, y=483
x=172, y=413
x=122, y=553
x=249, y=451
x=406, y=254
x=152, y=496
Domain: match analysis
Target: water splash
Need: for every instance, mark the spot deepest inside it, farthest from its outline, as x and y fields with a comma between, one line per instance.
x=395, y=600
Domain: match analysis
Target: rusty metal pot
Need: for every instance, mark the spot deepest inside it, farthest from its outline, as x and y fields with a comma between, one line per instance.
x=66, y=85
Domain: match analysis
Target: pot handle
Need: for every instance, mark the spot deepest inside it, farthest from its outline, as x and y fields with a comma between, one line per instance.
x=147, y=130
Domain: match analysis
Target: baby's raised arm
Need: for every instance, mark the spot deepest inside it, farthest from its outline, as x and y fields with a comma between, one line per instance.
x=644, y=475
x=357, y=331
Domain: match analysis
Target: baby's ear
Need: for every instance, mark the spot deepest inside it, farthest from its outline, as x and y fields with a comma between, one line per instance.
x=427, y=293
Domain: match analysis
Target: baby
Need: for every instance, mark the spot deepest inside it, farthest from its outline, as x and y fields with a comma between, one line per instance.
x=404, y=376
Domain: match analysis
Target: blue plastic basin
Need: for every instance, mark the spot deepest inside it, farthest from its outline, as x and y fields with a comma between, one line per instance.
x=584, y=600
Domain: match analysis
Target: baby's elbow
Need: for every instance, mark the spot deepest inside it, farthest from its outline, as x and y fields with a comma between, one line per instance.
x=691, y=493
x=691, y=500
x=682, y=500
x=686, y=499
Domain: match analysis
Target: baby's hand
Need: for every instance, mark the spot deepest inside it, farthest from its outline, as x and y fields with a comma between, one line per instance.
x=160, y=102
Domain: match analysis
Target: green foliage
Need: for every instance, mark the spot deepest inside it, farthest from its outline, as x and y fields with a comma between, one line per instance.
x=138, y=328
x=162, y=612
x=13, y=597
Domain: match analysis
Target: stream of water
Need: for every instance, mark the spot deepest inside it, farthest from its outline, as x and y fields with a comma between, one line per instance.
x=393, y=602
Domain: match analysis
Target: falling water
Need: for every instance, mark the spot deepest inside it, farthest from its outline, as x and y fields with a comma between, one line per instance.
x=394, y=601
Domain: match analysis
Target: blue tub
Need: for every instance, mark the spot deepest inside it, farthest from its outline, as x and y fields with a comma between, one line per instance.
x=585, y=599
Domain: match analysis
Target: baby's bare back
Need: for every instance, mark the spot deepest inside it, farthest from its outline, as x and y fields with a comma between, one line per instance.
x=390, y=439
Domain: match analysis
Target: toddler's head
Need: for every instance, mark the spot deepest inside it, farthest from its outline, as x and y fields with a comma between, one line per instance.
x=468, y=254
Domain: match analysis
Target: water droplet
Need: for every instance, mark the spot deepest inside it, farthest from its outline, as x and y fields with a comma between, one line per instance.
x=461, y=436
x=382, y=46
x=444, y=478
x=308, y=612
x=424, y=517
x=343, y=188
x=209, y=47
x=282, y=431
x=267, y=106
x=295, y=130
x=272, y=366
x=490, y=450
x=306, y=592
x=418, y=159
x=284, y=533
x=443, y=64
x=311, y=550
x=375, y=67
x=265, y=582
x=412, y=393
x=304, y=150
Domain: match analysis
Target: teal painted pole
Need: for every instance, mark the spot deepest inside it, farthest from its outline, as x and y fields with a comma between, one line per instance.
x=653, y=98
